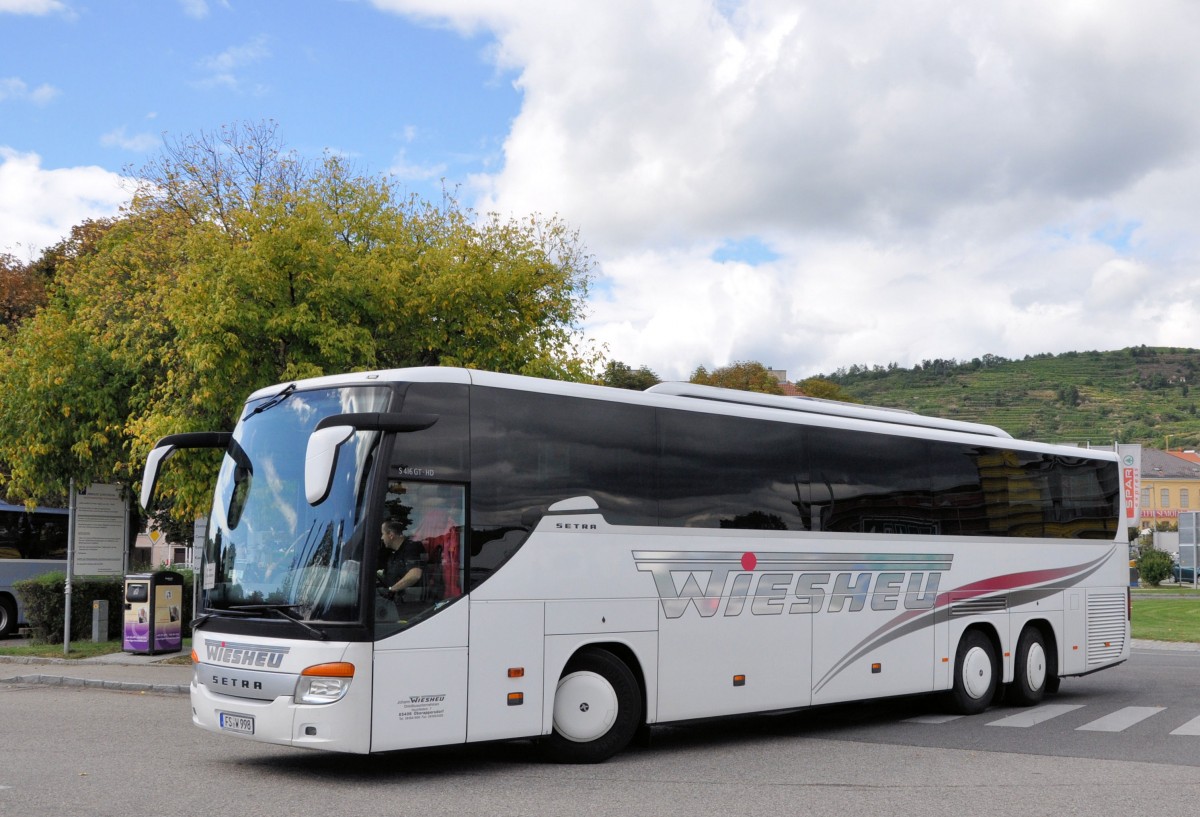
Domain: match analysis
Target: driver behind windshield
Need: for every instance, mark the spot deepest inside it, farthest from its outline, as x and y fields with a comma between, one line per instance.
x=403, y=572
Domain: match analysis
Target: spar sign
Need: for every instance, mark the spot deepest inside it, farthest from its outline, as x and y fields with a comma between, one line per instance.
x=1131, y=482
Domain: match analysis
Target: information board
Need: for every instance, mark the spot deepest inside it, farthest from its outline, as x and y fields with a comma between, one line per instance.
x=100, y=531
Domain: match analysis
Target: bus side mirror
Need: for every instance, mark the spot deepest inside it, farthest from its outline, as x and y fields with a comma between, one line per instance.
x=154, y=461
x=320, y=461
x=168, y=445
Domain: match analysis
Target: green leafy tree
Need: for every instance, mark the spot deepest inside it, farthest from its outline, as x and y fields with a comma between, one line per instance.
x=825, y=390
x=743, y=375
x=237, y=265
x=1153, y=565
x=623, y=376
x=21, y=291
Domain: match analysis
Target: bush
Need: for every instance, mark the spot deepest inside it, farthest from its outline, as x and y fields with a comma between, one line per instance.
x=44, y=599
x=1153, y=565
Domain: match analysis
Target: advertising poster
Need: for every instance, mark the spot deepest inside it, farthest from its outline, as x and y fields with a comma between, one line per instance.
x=168, y=627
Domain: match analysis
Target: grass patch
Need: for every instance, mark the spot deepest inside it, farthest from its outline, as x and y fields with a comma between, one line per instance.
x=79, y=649
x=21, y=647
x=1167, y=619
x=1166, y=590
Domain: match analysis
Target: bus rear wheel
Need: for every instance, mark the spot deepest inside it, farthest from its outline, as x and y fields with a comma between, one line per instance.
x=975, y=674
x=1031, y=671
x=597, y=709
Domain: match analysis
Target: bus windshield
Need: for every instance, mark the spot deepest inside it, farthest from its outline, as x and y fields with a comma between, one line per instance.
x=268, y=551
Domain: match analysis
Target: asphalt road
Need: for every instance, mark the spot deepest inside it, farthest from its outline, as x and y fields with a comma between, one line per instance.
x=88, y=751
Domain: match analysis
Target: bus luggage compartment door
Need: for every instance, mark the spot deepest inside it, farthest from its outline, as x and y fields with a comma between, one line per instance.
x=505, y=693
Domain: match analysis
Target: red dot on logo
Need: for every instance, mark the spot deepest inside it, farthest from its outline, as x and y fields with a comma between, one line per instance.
x=749, y=560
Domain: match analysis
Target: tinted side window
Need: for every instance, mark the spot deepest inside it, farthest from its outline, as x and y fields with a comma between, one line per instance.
x=983, y=491
x=531, y=450
x=1083, y=497
x=868, y=483
x=441, y=451
x=1016, y=487
x=720, y=471
x=957, y=486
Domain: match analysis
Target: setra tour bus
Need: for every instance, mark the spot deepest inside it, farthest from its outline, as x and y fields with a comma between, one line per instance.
x=433, y=556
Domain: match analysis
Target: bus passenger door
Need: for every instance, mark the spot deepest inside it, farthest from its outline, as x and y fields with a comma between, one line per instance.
x=420, y=668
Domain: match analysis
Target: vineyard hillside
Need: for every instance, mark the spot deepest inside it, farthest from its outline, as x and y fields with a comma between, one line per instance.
x=1137, y=395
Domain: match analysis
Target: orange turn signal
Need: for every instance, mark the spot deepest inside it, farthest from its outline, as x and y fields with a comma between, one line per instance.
x=338, y=669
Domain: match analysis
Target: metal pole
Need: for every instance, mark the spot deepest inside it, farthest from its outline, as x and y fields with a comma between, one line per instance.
x=70, y=572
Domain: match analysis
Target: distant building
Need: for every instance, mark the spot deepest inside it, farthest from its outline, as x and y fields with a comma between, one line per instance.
x=789, y=388
x=1170, y=484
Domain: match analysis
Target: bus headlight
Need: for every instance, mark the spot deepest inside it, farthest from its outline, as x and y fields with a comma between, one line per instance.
x=324, y=683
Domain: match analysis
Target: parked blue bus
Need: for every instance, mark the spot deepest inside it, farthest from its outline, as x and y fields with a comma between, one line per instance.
x=31, y=543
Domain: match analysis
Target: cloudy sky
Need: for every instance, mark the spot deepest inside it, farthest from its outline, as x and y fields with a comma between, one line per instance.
x=808, y=184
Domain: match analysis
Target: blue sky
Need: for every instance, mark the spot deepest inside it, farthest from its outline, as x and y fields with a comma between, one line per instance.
x=103, y=80
x=803, y=183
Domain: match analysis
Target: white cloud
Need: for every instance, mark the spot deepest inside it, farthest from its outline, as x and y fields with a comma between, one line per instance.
x=405, y=170
x=933, y=180
x=225, y=68
x=196, y=9
x=31, y=7
x=15, y=88
x=138, y=142
x=38, y=207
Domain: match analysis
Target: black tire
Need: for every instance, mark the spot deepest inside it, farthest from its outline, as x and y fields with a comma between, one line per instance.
x=976, y=674
x=597, y=709
x=8, y=616
x=1031, y=671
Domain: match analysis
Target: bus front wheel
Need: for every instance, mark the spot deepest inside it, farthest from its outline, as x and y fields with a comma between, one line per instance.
x=8, y=616
x=597, y=709
x=975, y=674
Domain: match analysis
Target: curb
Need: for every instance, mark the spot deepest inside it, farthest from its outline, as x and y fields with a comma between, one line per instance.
x=121, y=686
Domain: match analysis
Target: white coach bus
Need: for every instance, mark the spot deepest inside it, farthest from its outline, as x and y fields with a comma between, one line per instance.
x=434, y=556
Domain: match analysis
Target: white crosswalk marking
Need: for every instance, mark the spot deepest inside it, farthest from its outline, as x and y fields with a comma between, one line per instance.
x=1192, y=727
x=934, y=719
x=1117, y=721
x=1039, y=714
x=1121, y=720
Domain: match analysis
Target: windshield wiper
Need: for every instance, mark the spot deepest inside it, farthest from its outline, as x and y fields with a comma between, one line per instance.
x=284, y=393
x=278, y=610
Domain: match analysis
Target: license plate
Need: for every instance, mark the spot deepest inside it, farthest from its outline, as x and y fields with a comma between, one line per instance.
x=237, y=723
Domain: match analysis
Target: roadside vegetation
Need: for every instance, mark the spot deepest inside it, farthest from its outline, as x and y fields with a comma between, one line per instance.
x=1167, y=614
x=24, y=648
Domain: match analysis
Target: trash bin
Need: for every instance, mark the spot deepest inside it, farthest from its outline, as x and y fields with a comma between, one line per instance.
x=153, y=612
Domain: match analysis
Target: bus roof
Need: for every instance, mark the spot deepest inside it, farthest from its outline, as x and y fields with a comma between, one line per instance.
x=682, y=393
x=833, y=408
